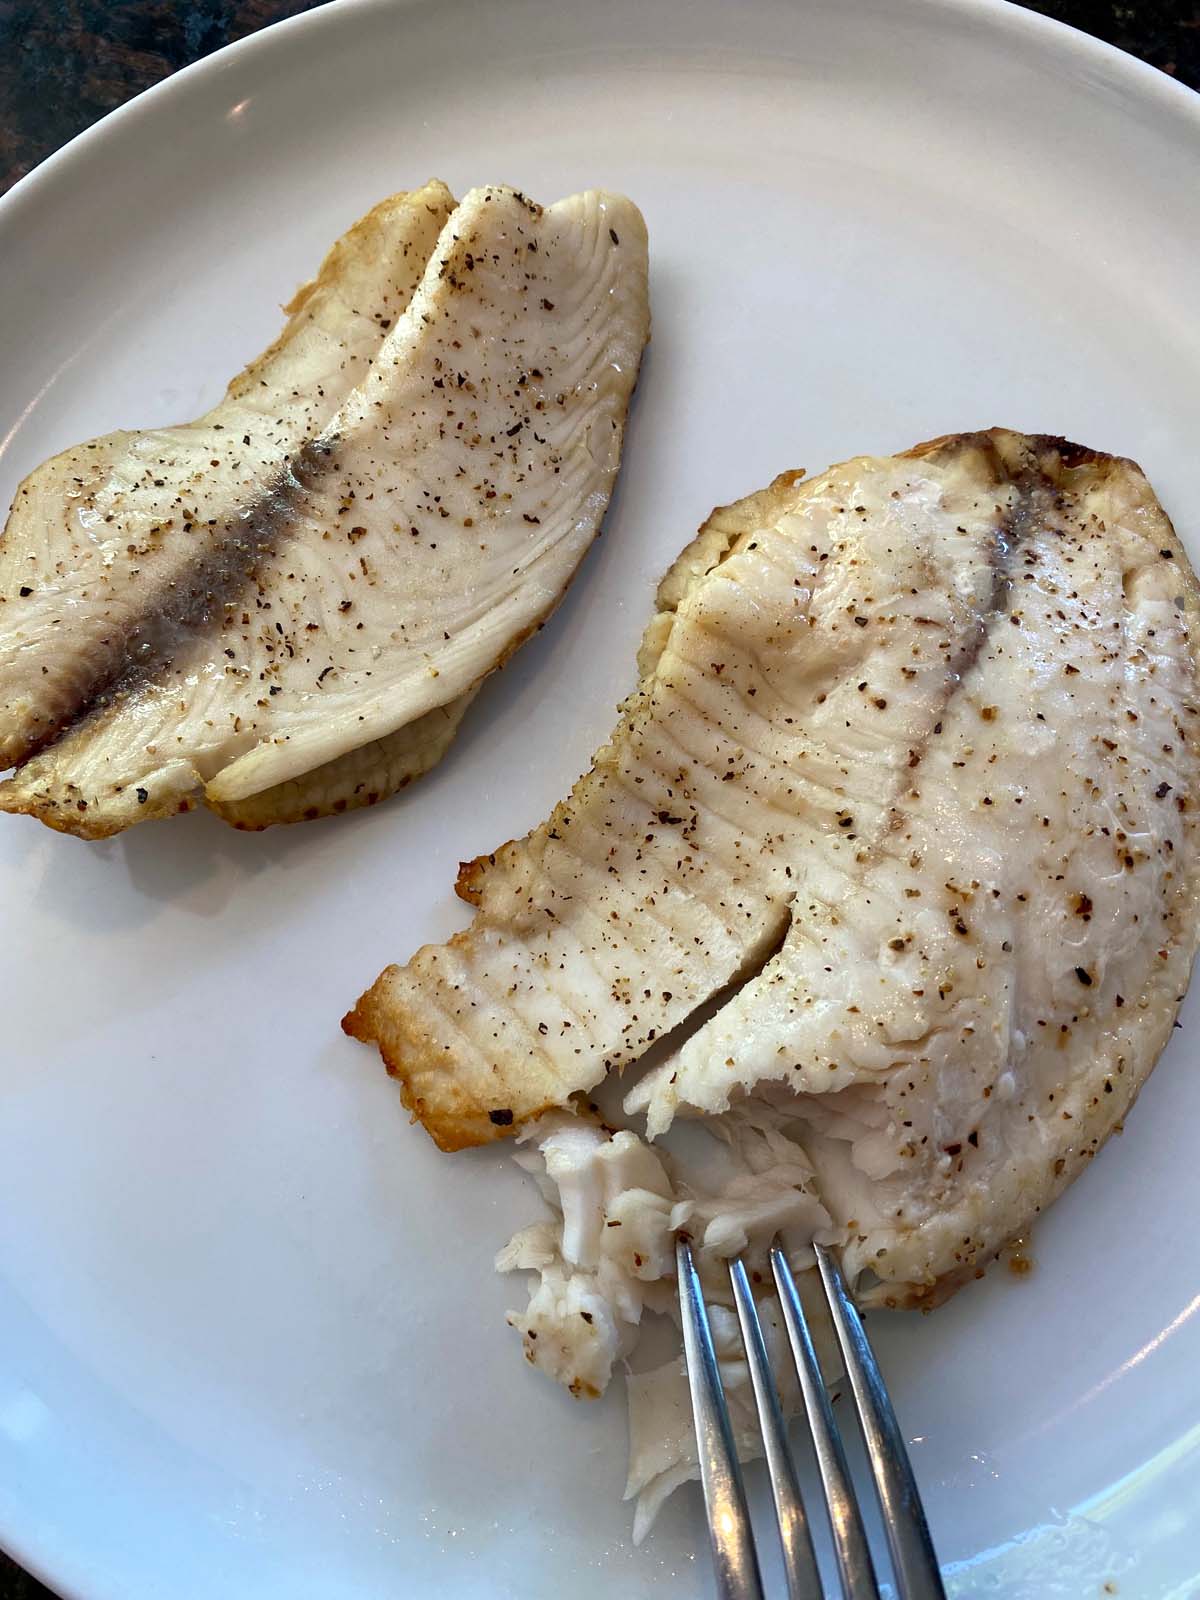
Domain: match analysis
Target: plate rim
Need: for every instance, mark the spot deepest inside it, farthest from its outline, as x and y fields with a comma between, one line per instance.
x=1039, y=33
x=1003, y=16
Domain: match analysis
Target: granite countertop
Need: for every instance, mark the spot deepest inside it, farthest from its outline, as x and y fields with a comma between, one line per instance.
x=64, y=63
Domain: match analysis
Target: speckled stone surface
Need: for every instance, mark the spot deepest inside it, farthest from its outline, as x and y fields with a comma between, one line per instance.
x=64, y=63
x=1166, y=33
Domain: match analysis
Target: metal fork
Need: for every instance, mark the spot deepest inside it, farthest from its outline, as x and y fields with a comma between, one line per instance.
x=914, y=1563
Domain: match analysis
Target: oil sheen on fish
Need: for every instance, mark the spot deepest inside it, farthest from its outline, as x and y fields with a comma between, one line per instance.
x=379, y=512
x=912, y=766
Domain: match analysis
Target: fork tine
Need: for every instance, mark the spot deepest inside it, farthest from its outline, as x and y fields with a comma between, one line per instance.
x=799, y=1563
x=855, y=1566
x=913, y=1557
x=729, y=1527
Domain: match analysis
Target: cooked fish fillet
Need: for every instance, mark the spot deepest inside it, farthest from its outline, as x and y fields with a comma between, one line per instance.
x=99, y=529
x=362, y=777
x=371, y=772
x=918, y=742
x=968, y=1012
x=606, y=926
x=271, y=619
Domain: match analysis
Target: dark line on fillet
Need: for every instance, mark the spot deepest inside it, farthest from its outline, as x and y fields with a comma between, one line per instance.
x=221, y=573
x=1033, y=487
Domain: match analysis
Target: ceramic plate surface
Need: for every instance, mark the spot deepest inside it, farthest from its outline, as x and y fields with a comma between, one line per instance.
x=251, y=1343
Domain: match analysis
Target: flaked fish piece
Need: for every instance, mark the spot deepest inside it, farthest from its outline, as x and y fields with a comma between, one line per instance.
x=398, y=556
x=605, y=1254
x=914, y=761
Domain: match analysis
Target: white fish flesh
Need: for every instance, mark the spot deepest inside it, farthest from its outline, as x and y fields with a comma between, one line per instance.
x=913, y=765
x=212, y=613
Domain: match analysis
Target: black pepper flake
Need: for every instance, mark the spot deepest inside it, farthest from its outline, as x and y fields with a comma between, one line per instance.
x=1084, y=977
x=612, y=234
x=143, y=796
x=502, y=1118
x=1162, y=791
x=25, y=591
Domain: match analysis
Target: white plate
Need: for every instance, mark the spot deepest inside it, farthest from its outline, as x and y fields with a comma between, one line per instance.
x=250, y=1339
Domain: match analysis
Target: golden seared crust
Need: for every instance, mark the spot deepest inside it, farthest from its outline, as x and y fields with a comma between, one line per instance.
x=724, y=526
x=459, y=1120
x=340, y=276
x=361, y=777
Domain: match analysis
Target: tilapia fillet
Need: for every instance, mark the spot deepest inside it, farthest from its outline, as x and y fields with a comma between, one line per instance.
x=913, y=761
x=284, y=608
x=128, y=484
